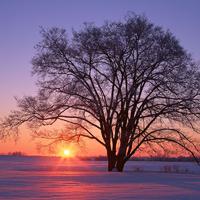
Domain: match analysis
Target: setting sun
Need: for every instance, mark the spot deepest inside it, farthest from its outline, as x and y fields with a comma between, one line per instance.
x=67, y=152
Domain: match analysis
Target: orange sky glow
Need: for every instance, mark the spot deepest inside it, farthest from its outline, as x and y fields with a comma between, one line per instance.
x=28, y=146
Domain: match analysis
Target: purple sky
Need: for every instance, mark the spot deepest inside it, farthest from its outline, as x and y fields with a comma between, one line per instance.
x=20, y=21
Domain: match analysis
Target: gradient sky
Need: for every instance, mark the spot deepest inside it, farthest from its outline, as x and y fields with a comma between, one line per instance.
x=19, y=32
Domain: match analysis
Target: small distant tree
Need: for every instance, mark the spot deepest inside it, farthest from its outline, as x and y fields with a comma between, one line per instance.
x=124, y=84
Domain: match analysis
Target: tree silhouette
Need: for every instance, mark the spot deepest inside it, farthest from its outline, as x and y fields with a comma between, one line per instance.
x=124, y=84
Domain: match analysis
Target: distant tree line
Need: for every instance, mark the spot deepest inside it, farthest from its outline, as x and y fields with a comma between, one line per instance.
x=15, y=153
x=155, y=158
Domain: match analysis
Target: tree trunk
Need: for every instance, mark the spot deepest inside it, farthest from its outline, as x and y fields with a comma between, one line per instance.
x=120, y=163
x=111, y=160
x=120, y=160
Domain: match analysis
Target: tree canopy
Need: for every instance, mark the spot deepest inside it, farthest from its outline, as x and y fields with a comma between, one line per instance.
x=124, y=84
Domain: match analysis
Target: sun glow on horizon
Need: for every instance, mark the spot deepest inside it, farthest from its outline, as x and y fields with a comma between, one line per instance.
x=67, y=153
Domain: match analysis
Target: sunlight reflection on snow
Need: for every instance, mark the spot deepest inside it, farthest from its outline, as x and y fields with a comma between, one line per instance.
x=25, y=178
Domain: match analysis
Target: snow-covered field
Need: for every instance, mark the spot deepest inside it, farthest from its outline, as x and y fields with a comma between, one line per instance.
x=53, y=178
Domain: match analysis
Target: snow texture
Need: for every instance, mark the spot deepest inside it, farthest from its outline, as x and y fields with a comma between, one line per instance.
x=54, y=178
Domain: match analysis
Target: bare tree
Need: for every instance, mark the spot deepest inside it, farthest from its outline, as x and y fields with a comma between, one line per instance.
x=124, y=84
